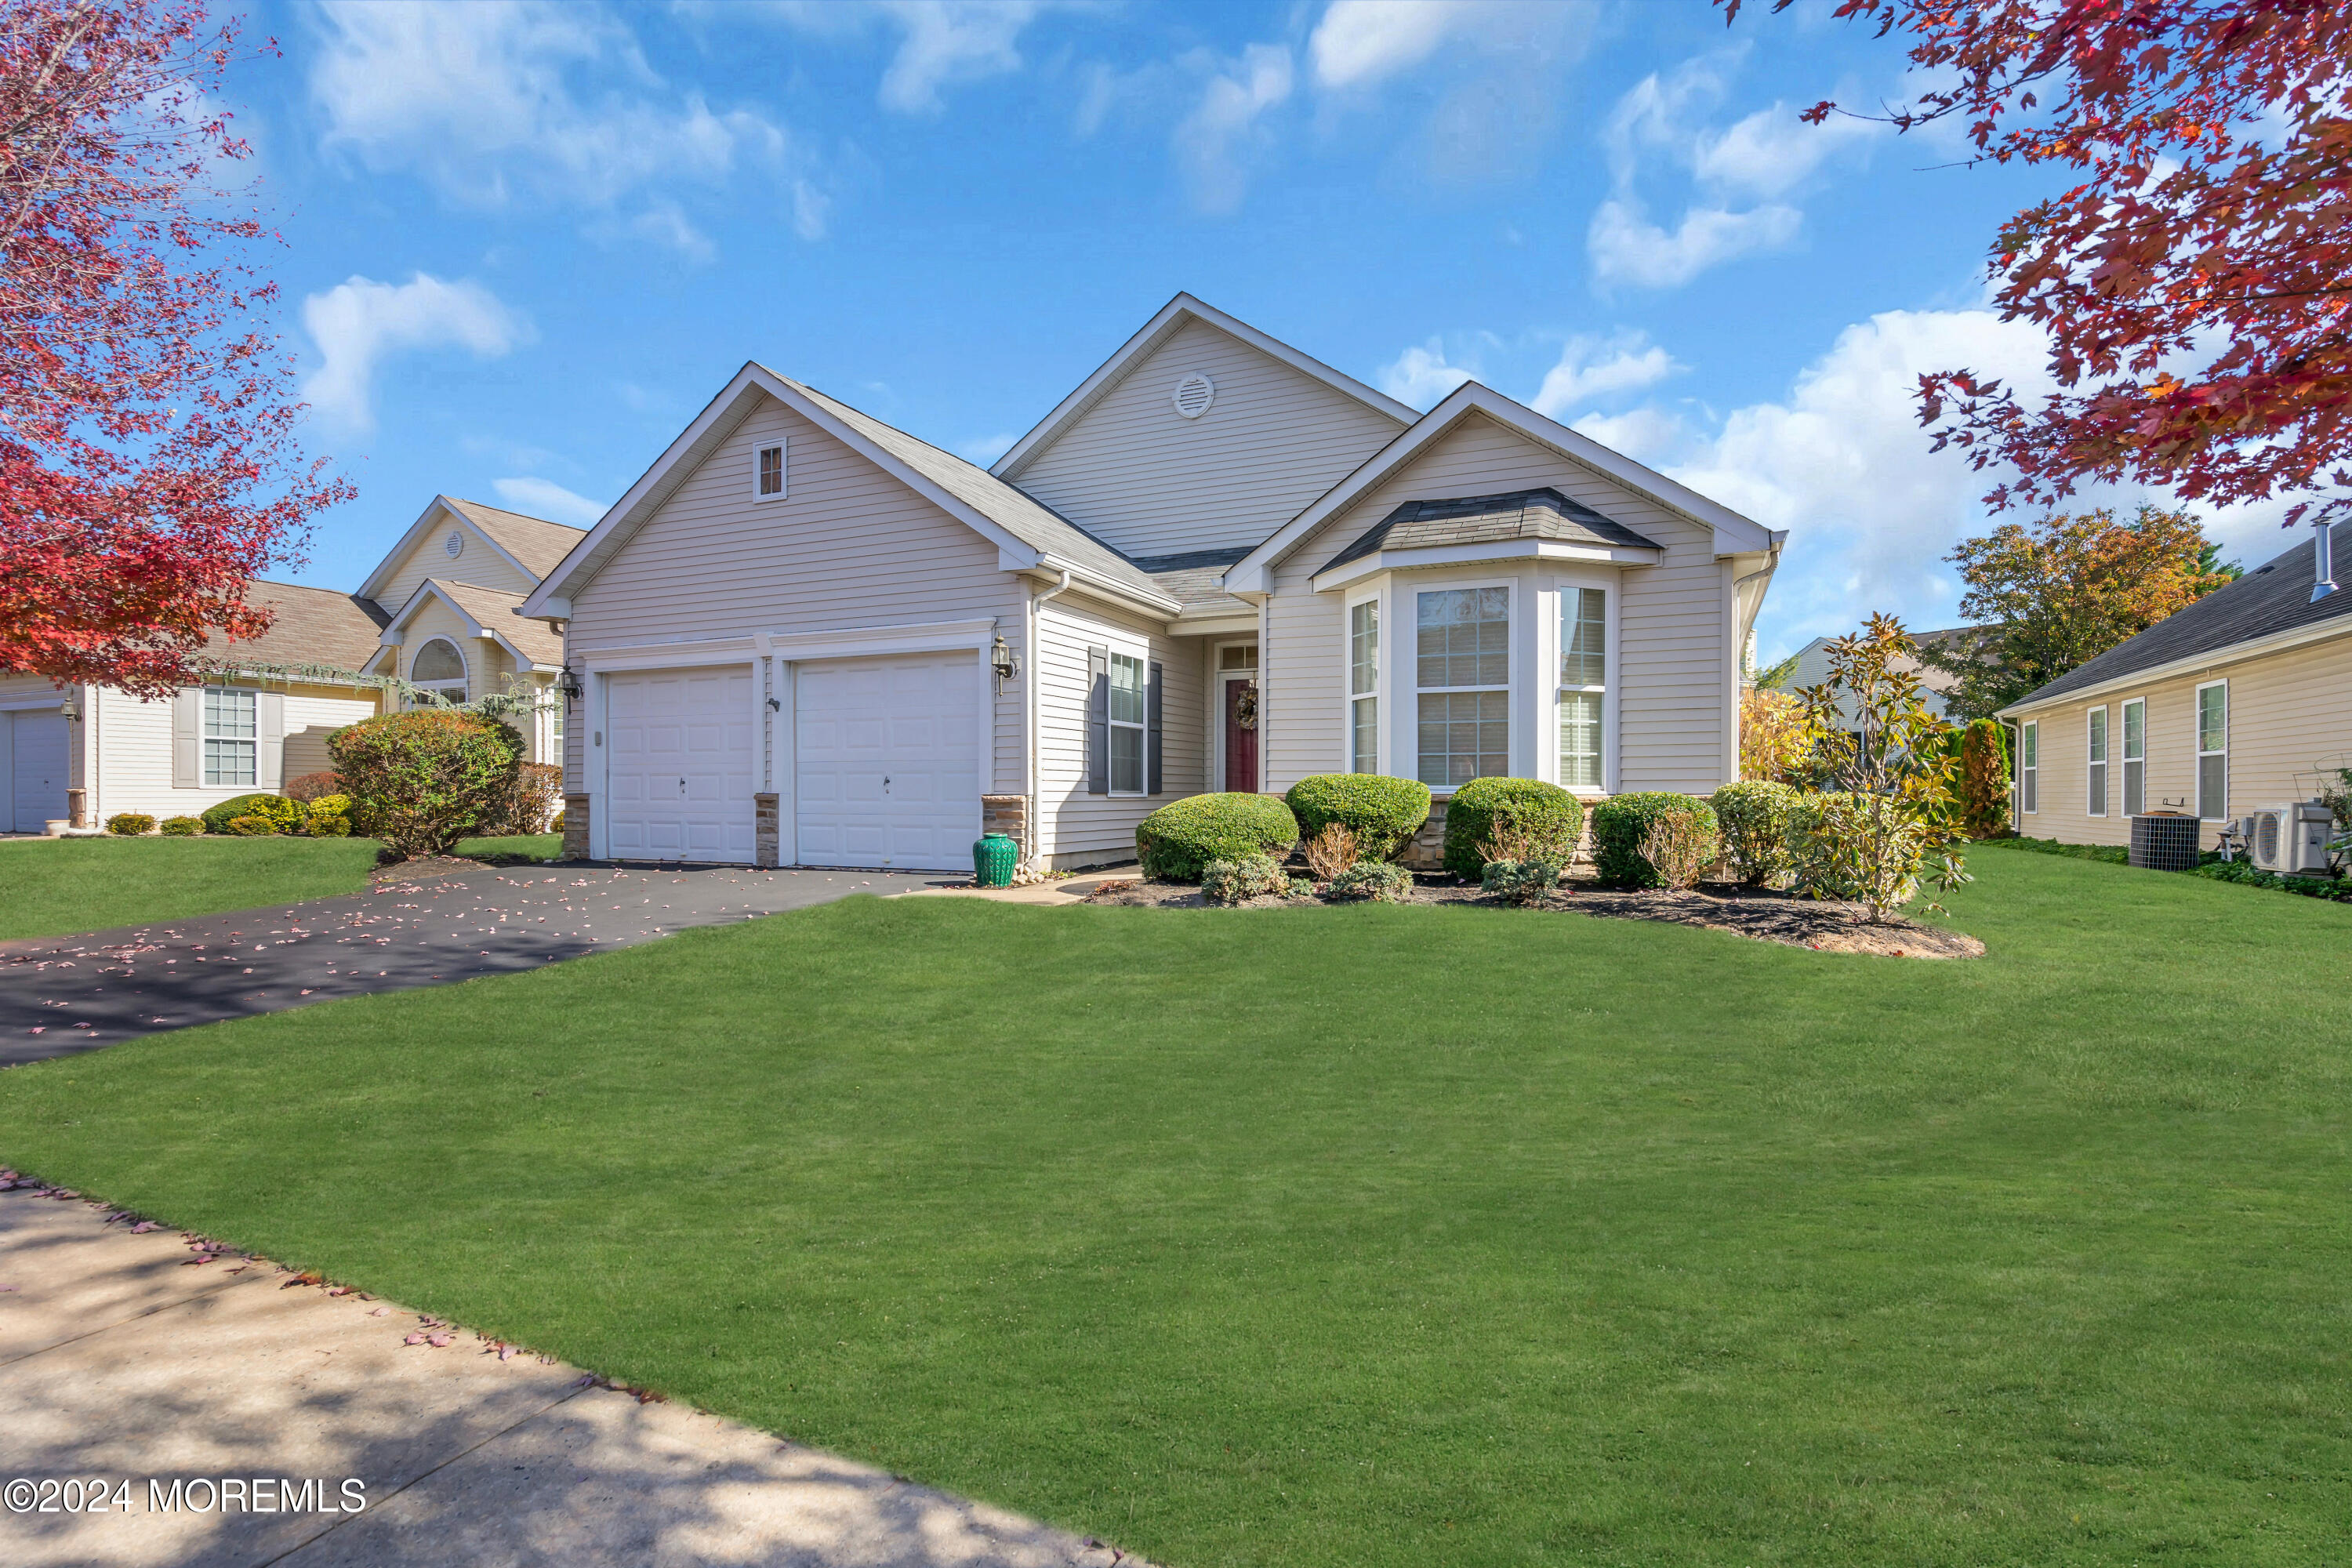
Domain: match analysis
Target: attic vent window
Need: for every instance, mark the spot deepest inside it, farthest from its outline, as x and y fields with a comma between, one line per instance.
x=768, y=481
x=1193, y=395
x=454, y=546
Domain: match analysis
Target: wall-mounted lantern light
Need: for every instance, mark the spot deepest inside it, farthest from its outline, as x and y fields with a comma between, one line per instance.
x=568, y=684
x=1001, y=659
x=69, y=710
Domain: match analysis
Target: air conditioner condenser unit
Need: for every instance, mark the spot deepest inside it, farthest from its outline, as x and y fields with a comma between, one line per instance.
x=2292, y=839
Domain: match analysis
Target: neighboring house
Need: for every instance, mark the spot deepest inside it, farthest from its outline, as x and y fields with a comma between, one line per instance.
x=2242, y=700
x=807, y=638
x=439, y=609
x=1812, y=667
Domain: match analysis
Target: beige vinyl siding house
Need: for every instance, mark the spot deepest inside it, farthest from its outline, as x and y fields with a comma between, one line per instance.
x=1136, y=604
x=2240, y=701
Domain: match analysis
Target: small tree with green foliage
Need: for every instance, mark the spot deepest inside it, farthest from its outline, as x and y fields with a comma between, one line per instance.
x=1887, y=763
x=422, y=780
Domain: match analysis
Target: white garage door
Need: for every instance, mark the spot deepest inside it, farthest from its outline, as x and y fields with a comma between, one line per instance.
x=37, y=769
x=887, y=760
x=677, y=768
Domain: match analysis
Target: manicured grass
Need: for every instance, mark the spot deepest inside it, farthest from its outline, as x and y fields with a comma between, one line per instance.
x=1376, y=1235
x=56, y=886
x=512, y=846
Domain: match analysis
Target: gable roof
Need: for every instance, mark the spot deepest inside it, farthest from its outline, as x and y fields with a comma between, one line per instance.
x=2274, y=600
x=1734, y=533
x=533, y=546
x=309, y=626
x=486, y=612
x=1027, y=534
x=1482, y=519
x=1172, y=317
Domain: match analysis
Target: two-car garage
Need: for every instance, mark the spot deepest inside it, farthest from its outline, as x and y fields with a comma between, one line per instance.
x=877, y=760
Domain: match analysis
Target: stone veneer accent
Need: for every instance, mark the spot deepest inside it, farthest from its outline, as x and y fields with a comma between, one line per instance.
x=576, y=827
x=1008, y=815
x=767, y=834
x=1426, y=852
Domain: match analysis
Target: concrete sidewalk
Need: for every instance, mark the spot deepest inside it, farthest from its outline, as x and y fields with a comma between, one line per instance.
x=122, y=1359
x=428, y=925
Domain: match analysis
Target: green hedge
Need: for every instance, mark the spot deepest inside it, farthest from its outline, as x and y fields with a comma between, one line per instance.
x=286, y=813
x=1619, y=826
x=1176, y=843
x=130, y=823
x=1528, y=804
x=423, y=779
x=184, y=827
x=1383, y=813
x=1756, y=816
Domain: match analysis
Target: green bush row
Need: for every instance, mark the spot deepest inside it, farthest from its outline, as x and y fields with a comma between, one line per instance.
x=1622, y=821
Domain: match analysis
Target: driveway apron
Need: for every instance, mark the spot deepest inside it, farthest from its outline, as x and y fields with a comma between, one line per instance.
x=62, y=994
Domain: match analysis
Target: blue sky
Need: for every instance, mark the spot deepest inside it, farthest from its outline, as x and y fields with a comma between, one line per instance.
x=525, y=243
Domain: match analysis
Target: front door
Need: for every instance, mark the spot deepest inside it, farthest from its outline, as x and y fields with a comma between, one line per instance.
x=1241, y=739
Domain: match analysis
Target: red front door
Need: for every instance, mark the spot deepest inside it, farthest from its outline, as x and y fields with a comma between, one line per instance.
x=1241, y=740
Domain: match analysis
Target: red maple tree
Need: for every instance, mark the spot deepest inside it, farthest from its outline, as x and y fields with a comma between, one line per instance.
x=2192, y=278
x=148, y=461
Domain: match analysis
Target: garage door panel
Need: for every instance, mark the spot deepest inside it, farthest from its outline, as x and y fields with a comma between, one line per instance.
x=887, y=761
x=679, y=771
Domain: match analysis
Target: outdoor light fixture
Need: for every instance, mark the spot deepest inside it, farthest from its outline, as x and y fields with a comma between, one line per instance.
x=69, y=710
x=1001, y=659
x=568, y=684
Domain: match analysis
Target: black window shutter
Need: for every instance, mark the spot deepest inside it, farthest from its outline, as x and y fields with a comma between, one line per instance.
x=1153, y=786
x=1099, y=720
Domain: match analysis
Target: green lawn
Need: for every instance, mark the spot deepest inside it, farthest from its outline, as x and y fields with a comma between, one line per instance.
x=1376, y=1235
x=512, y=847
x=55, y=886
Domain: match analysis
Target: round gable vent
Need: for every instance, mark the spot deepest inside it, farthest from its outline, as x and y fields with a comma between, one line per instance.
x=454, y=546
x=1193, y=395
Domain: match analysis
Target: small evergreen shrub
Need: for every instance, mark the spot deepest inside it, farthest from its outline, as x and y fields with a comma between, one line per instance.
x=1621, y=822
x=1526, y=883
x=182, y=826
x=1754, y=818
x=1375, y=881
x=424, y=778
x=2338, y=889
x=330, y=818
x=283, y=816
x=1176, y=843
x=255, y=827
x=1542, y=819
x=1236, y=882
x=1381, y=811
x=130, y=825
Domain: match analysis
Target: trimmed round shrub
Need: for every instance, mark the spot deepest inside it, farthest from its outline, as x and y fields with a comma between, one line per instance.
x=308, y=788
x=422, y=779
x=130, y=825
x=1545, y=819
x=1250, y=876
x=184, y=827
x=1381, y=811
x=1176, y=843
x=330, y=818
x=1622, y=821
x=255, y=827
x=1755, y=817
x=1378, y=881
x=284, y=815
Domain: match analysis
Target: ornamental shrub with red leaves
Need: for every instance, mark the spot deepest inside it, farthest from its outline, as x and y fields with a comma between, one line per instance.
x=422, y=780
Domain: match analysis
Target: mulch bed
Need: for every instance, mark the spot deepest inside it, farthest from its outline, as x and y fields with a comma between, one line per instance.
x=1759, y=914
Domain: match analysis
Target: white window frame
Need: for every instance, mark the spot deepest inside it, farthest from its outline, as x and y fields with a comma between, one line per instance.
x=780, y=447
x=1605, y=691
x=2097, y=741
x=208, y=771
x=2135, y=784
x=1141, y=726
x=1512, y=590
x=1351, y=698
x=2197, y=719
x=2029, y=768
x=455, y=689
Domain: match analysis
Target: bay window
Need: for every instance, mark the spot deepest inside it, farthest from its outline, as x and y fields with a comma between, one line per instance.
x=1463, y=672
x=1583, y=684
x=1363, y=687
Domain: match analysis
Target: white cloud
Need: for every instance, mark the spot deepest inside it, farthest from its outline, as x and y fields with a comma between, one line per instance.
x=1217, y=140
x=359, y=324
x=1651, y=436
x=1422, y=376
x=1626, y=247
x=1590, y=368
x=1772, y=150
x=1361, y=42
x=490, y=103
x=987, y=448
x=950, y=41
x=545, y=497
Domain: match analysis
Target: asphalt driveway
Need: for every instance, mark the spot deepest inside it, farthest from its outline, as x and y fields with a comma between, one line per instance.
x=432, y=927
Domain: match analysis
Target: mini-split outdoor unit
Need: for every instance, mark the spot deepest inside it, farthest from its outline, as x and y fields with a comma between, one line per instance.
x=2291, y=839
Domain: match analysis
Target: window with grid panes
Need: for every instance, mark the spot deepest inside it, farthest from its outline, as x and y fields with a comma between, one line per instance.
x=1463, y=669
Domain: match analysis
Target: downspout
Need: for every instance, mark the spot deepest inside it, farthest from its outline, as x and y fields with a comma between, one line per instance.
x=1739, y=651
x=1029, y=717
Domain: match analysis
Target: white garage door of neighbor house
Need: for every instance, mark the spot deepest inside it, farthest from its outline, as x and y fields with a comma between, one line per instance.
x=886, y=761
x=36, y=771
x=677, y=768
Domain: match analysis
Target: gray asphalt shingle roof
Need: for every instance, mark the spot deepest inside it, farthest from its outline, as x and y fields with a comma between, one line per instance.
x=2271, y=598
x=308, y=626
x=1488, y=520
x=1190, y=579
